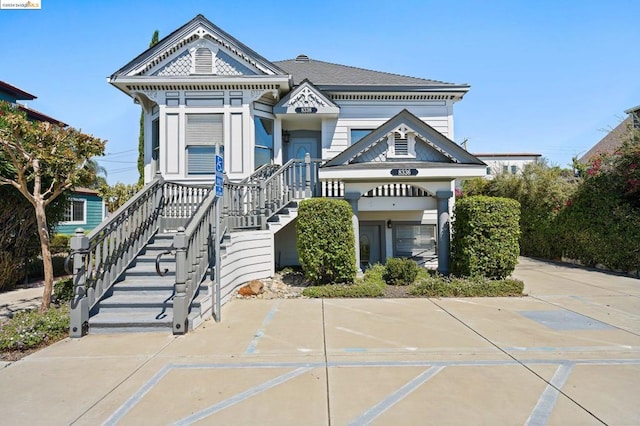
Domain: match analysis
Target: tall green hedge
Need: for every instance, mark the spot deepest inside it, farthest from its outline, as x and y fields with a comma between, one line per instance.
x=325, y=240
x=485, y=237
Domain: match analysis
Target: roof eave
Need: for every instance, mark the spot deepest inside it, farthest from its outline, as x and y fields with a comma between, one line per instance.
x=395, y=88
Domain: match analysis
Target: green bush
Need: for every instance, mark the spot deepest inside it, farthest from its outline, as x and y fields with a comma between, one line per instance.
x=60, y=243
x=485, y=237
x=31, y=329
x=542, y=192
x=370, y=285
x=63, y=290
x=400, y=271
x=439, y=286
x=325, y=241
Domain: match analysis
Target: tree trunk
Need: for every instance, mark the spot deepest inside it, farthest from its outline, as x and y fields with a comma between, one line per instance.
x=43, y=233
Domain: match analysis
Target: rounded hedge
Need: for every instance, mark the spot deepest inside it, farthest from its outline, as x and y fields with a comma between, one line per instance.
x=325, y=240
x=485, y=237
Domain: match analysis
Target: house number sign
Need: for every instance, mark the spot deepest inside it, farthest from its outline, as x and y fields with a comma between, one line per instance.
x=306, y=110
x=404, y=172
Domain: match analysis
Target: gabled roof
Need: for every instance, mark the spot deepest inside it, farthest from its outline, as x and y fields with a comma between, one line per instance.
x=609, y=143
x=329, y=76
x=17, y=94
x=306, y=95
x=39, y=116
x=435, y=139
x=182, y=36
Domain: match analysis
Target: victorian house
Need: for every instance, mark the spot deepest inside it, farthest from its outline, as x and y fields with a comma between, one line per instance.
x=288, y=130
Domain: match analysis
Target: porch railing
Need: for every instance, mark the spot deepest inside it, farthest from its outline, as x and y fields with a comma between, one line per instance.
x=250, y=203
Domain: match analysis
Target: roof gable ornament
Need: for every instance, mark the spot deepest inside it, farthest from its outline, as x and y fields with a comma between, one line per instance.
x=199, y=31
x=306, y=99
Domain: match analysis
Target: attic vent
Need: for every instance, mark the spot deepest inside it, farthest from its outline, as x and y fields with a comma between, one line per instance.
x=401, y=146
x=302, y=58
x=203, y=61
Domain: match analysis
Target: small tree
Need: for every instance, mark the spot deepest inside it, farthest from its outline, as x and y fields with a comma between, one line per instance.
x=44, y=160
x=154, y=41
x=485, y=237
x=325, y=240
x=118, y=194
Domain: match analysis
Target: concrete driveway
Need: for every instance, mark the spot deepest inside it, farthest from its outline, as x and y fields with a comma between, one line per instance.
x=569, y=353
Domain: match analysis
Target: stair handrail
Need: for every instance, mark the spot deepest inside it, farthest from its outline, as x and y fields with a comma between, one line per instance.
x=261, y=173
x=100, y=257
x=194, y=248
x=296, y=179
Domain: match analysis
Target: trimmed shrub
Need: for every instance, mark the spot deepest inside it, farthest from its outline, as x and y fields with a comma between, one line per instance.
x=485, y=237
x=370, y=285
x=400, y=271
x=439, y=286
x=325, y=241
x=542, y=192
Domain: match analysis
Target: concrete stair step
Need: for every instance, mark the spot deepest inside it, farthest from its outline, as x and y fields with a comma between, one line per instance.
x=127, y=321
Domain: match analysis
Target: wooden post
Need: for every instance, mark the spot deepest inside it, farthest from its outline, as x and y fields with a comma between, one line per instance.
x=307, y=181
x=262, y=195
x=180, y=308
x=79, y=316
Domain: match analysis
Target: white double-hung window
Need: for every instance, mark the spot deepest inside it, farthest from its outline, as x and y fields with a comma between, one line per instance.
x=204, y=132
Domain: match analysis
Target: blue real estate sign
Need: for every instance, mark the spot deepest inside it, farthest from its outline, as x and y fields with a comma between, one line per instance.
x=219, y=176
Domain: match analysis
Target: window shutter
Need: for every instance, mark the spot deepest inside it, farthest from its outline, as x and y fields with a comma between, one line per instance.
x=201, y=160
x=204, y=129
x=401, y=145
x=203, y=61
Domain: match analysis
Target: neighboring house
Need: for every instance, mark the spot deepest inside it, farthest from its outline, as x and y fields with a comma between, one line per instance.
x=614, y=138
x=13, y=95
x=384, y=141
x=86, y=210
x=511, y=163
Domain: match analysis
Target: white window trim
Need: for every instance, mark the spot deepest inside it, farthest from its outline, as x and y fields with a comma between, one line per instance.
x=262, y=114
x=84, y=213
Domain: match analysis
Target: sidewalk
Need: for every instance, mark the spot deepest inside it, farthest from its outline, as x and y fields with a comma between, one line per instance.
x=567, y=354
x=20, y=299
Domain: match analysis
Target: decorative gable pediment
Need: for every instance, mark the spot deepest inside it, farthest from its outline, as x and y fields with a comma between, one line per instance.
x=306, y=99
x=199, y=48
x=404, y=138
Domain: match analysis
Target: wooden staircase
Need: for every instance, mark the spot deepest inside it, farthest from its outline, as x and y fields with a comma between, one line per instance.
x=142, y=300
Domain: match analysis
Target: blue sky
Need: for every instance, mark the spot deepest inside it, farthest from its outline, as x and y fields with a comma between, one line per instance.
x=549, y=77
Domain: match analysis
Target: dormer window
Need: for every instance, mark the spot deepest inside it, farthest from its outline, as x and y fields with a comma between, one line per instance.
x=203, y=61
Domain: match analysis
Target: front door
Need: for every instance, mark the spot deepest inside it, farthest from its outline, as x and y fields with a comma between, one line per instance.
x=370, y=245
x=299, y=147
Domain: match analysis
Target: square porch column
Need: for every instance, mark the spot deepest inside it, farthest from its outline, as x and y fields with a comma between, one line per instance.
x=352, y=198
x=444, y=231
